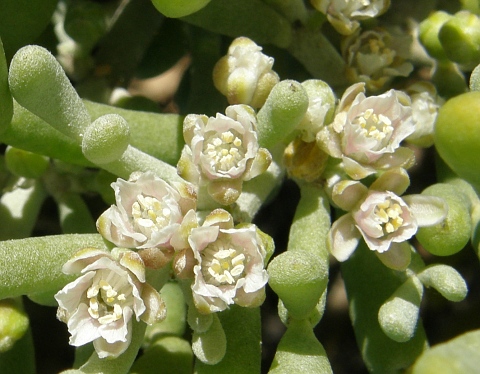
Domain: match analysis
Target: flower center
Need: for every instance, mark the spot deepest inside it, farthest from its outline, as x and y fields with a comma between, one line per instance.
x=222, y=264
x=373, y=126
x=388, y=216
x=149, y=214
x=225, y=150
x=107, y=296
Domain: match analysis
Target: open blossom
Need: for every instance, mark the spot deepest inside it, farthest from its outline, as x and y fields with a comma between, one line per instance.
x=245, y=74
x=376, y=57
x=222, y=151
x=344, y=15
x=147, y=213
x=367, y=131
x=383, y=219
x=100, y=304
x=230, y=264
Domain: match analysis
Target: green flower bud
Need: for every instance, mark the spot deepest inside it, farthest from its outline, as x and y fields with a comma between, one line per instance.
x=452, y=234
x=282, y=113
x=398, y=316
x=25, y=164
x=13, y=323
x=39, y=84
x=428, y=34
x=457, y=135
x=106, y=139
x=299, y=279
x=245, y=74
x=179, y=8
x=445, y=280
x=475, y=79
x=460, y=38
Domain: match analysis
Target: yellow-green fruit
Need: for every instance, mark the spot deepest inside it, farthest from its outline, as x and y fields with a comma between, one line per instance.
x=451, y=235
x=457, y=135
x=179, y=8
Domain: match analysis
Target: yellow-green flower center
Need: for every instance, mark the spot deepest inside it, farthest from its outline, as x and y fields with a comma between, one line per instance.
x=388, y=215
x=224, y=150
x=222, y=263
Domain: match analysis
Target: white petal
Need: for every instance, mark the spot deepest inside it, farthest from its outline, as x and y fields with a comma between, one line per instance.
x=343, y=238
x=427, y=210
x=82, y=327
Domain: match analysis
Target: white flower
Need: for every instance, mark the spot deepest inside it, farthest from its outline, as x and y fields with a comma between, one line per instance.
x=230, y=264
x=367, y=131
x=344, y=15
x=222, y=152
x=147, y=213
x=99, y=305
x=384, y=220
x=245, y=74
x=376, y=57
x=425, y=106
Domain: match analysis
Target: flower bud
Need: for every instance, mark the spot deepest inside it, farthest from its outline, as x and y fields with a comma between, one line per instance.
x=460, y=38
x=245, y=74
x=428, y=34
x=425, y=105
x=345, y=16
x=106, y=139
x=321, y=108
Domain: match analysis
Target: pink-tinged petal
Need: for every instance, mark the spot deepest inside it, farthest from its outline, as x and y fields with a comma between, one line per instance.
x=117, y=330
x=82, y=327
x=427, y=210
x=402, y=157
x=112, y=350
x=395, y=180
x=69, y=297
x=397, y=257
x=179, y=239
x=346, y=194
x=343, y=238
x=202, y=236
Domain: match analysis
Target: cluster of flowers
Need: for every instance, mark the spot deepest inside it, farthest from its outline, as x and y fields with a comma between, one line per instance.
x=156, y=224
x=365, y=138
x=183, y=225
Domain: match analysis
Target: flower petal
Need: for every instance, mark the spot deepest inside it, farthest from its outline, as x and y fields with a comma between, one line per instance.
x=395, y=180
x=427, y=210
x=397, y=257
x=343, y=237
x=346, y=194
